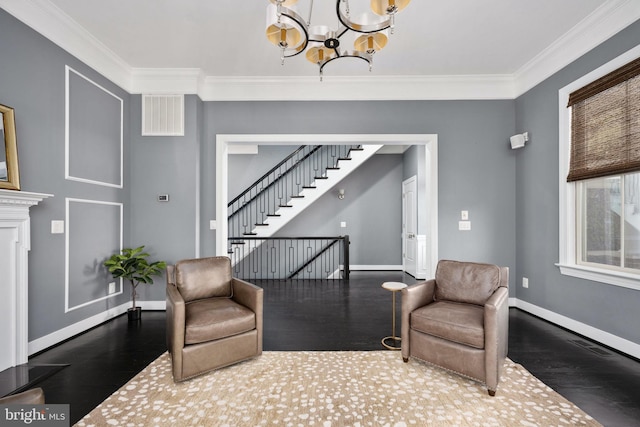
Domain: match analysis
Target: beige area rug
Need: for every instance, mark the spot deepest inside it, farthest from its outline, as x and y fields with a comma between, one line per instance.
x=351, y=388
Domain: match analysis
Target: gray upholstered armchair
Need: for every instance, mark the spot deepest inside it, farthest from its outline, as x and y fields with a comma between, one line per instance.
x=459, y=320
x=213, y=319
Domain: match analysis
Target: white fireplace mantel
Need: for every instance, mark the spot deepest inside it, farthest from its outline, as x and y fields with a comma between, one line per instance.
x=15, y=243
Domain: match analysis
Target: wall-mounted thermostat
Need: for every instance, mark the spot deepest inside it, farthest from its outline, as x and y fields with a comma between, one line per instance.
x=163, y=197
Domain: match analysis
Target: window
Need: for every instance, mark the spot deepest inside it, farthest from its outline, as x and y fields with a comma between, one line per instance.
x=600, y=174
x=609, y=216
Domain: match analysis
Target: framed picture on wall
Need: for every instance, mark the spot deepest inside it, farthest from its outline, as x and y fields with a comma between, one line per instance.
x=9, y=175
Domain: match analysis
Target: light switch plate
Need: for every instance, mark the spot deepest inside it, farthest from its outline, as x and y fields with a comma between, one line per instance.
x=343, y=224
x=57, y=227
x=112, y=288
x=464, y=215
x=212, y=224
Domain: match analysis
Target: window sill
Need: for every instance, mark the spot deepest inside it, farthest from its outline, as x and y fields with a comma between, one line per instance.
x=616, y=278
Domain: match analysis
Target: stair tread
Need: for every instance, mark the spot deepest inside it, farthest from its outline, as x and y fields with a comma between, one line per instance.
x=250, y=234
x=309, y=186
x=345, y=158
x=273, y=215
x=333, y=168
x=297, y=197
x=285, y=206
x=321, y=177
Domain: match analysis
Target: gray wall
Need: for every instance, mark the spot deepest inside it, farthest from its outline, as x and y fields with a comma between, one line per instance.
x=606, y=307
x=33, y=83
x=371, y=209
x=476, y=166
x=165, y=165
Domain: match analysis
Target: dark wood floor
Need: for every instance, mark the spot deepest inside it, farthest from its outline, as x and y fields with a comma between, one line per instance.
x=333, y=315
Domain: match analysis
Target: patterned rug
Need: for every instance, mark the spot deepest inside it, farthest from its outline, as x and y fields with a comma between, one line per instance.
x=326, y=389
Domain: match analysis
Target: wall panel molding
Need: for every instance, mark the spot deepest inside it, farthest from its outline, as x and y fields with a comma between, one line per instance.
x=99, y=253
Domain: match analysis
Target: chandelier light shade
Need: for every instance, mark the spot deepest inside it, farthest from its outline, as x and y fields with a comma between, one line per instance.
x=290, y=32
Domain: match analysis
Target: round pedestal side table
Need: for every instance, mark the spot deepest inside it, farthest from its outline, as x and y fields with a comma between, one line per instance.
x=393, y=342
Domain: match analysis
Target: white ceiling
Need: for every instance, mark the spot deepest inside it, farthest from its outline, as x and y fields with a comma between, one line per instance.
x=149, y=43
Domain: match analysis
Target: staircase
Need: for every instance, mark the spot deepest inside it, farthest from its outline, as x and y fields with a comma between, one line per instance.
x=287, y=190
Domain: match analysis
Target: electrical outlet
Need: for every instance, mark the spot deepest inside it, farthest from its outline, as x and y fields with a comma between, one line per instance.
x=112, y=288
x=464, y=225
x=525, y=282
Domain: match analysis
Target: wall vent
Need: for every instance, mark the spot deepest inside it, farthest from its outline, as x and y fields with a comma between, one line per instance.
x=162, y=115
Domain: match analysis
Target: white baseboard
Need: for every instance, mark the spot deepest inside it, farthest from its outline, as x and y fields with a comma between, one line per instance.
x=620, y=344
x=375, y=267
x=58, y=336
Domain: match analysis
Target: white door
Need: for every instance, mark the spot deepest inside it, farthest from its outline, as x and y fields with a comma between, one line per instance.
x=409, y=225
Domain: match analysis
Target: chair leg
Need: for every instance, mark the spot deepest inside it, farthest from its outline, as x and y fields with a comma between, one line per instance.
x=492, y=392
x=405, y=359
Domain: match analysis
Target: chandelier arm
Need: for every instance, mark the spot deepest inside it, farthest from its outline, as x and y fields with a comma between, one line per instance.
x=303, y=26
x=353, y=54
x=360, y=28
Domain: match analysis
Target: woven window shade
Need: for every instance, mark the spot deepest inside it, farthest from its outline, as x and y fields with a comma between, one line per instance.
x=605, y=125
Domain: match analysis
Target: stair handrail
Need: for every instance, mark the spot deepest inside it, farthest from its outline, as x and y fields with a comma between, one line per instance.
x=259, y=180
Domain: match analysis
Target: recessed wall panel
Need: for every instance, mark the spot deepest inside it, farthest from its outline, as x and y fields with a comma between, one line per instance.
x=93, y=132
x=93, y=233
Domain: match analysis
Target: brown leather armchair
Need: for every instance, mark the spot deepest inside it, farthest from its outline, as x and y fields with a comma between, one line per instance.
x=34, y=396
x=459, y=320
x=213, y=319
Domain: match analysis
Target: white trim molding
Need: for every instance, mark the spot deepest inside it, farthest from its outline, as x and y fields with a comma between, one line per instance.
x=47, y=19
x=430, y=141
x=620, y=344
x=67, y=130
x=607, y=20
x=567, y=194
x=67, y=265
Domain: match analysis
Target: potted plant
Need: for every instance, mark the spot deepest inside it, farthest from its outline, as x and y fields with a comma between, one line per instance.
x=133, y=266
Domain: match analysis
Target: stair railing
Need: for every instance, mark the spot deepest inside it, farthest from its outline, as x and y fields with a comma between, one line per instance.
x=284, y=182
x=280, y=258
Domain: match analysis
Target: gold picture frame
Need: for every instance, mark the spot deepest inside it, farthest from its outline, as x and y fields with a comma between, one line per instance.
x=9, y=174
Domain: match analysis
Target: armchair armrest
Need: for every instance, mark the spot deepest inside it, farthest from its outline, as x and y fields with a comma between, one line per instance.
x=496, y=335
x=247, y=294
x=175, y=324
x=252, y=297
x=413, y=297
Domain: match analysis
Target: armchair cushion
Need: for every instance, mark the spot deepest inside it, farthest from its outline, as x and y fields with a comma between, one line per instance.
x=212, y=319
x=204, y=278
x=466, y=282
x=461, y=323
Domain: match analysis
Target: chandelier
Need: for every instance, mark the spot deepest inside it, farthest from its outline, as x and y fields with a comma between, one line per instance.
x=293, y=35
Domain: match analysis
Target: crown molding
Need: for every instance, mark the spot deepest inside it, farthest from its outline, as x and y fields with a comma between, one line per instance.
x=362, y=88
x=48, y=20
x=45, y=18
x=607, y=20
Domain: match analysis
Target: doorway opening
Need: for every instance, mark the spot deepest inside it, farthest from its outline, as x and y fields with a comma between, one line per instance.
x=429, y=180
